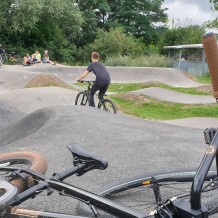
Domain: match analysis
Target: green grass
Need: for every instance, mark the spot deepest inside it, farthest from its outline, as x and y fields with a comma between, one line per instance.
x=128, y=87
x=204, y=79
x=148, y=108
x=159, y=110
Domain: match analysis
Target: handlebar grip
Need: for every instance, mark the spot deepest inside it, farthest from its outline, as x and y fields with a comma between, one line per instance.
x=7, y=193
x=211, y=52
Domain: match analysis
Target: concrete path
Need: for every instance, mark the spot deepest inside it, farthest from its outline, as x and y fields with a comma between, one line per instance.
x=176, y=97
x=194, y=122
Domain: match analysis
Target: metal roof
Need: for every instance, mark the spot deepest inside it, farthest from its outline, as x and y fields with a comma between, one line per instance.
x=184, y=46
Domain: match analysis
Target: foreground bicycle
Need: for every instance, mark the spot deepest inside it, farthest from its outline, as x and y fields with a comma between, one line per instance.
x=187, y=194
x=10, y=58
x=104, y=104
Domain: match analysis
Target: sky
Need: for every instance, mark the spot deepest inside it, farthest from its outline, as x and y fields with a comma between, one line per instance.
x=189, y=11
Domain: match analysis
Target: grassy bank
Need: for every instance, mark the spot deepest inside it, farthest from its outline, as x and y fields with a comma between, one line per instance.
x=143, y=107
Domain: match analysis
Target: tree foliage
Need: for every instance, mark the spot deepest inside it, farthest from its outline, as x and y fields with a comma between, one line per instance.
x=181, y=36
x=71, y=29
x=114, y=43
x=39, y=23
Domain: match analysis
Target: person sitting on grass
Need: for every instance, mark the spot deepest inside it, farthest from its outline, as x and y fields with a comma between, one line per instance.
x=36, y=57
x=27, y=60
x=46, y=58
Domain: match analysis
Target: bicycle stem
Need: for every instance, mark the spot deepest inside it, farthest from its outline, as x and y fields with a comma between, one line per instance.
x=202, y=171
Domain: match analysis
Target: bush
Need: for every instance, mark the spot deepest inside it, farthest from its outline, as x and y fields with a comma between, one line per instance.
x=154, y=60
x=115, y=43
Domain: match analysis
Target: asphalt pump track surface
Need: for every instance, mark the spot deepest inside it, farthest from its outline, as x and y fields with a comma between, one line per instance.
x=132, y=146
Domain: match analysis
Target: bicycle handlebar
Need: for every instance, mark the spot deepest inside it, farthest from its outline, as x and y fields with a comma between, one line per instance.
x=86, y=81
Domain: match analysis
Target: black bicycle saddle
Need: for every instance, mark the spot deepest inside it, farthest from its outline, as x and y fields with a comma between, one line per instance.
x=91, y=160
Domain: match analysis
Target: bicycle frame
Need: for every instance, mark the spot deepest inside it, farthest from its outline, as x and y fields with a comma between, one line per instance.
x=195, y=209
x=187, y=209
x=68, y=190
x=88, y=90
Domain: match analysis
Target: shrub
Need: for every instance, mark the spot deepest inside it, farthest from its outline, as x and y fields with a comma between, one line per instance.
x=115, y=43
x=154, y=60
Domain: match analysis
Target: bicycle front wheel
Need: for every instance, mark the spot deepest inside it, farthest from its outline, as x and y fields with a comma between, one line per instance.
x=14, y=59
x=108, y=105
x=144, y=193
x=25, y=159
x=81, y=98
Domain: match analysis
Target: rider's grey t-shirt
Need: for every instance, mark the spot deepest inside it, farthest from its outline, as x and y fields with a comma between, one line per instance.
x=101, y=73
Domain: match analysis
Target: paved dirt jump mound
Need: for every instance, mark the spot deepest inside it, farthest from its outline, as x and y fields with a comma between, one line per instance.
x=25, y=126
x=8, y=115
x=44, y=80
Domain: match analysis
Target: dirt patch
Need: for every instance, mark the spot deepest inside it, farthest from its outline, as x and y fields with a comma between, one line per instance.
x=137, y=98
x=45, y=80
x=151, y=83
x=206, y=88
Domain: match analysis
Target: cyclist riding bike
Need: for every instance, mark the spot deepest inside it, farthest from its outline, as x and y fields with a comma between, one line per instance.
x=102, y=81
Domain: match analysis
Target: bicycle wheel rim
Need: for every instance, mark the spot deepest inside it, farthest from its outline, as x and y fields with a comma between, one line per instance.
x=108, y=105
x=138, y=192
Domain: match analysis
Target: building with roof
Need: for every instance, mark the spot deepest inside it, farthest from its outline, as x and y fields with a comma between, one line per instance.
x=189, y=58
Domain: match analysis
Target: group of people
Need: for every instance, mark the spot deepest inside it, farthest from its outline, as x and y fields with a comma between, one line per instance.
x=37, y=58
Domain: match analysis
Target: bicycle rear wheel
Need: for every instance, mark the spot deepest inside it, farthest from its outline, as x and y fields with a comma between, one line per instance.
x=81, y=98
x=144, y=193
x=108, y=105
x=25, y=159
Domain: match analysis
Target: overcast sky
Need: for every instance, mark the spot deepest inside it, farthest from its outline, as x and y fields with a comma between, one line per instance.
x=196, y=11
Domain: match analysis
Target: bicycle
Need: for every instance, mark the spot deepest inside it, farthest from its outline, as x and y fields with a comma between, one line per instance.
x=104, y=104
x=11, y=58
x=188, y=194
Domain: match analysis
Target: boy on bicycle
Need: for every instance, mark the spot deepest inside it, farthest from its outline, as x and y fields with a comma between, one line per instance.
x=102, y=80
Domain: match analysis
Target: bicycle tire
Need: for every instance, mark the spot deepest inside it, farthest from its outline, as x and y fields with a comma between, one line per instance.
x=30, y=159
x=108, y=105
x=14, y=59
x=2, y=57
x=81, y=98
x=131, y=190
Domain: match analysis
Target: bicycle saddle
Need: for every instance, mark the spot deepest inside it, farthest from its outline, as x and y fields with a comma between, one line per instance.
x=90, y=160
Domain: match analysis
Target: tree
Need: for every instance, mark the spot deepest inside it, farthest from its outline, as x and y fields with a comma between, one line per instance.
x=138, y=18
x=181, y=36
x=26, y=17
x=213, y=23
x=214, y=4
x=94, y=13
